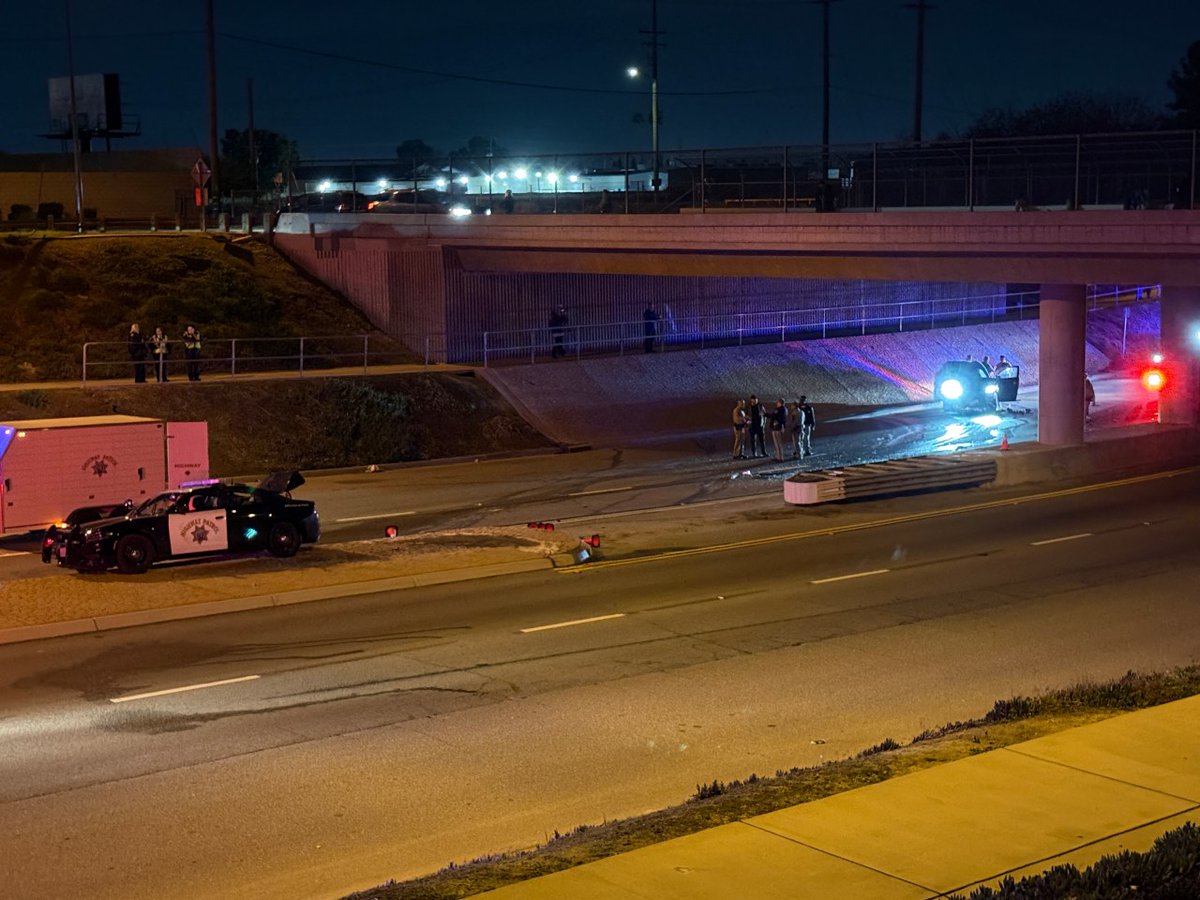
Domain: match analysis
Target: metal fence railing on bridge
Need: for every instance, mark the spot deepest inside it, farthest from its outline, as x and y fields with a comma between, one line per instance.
x=616, y=338
x=256, y=355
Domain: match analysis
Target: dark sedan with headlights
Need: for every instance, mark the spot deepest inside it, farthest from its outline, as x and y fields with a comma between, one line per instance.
x=965, y=384
x=198, y=519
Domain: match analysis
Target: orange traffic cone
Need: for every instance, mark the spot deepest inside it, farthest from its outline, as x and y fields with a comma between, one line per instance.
x=1004, y=443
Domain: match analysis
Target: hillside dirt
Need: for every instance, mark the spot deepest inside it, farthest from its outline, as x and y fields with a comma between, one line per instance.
x=59, y=292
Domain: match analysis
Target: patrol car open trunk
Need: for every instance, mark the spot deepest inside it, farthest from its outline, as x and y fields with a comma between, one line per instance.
x=50, y=466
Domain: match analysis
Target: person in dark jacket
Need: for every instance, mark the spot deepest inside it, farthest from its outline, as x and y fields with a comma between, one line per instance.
x=191, y=351
x=756, y=414
x=808, y=421
x=137, y=353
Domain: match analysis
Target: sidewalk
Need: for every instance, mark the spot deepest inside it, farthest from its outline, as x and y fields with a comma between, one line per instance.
x=1070, y=797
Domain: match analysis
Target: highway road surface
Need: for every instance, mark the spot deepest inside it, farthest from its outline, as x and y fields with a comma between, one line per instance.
x=307, y=751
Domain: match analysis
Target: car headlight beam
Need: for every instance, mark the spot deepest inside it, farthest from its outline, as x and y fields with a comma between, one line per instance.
x=991, y=388
x=950, y=389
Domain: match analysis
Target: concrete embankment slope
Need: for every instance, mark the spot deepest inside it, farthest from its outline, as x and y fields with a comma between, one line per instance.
x=618, y=401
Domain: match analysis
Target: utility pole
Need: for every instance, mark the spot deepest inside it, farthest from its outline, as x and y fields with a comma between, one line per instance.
x=212, y=100
x=74, y=124
x=253, y=151
x=653, y=44
x=921, y=6
x=824, y=4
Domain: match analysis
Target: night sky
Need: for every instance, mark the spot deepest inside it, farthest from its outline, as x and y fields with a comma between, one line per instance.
x=354, y=78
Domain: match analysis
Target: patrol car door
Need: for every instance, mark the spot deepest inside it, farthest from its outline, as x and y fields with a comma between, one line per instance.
x=1009, y=382
x=198, y=525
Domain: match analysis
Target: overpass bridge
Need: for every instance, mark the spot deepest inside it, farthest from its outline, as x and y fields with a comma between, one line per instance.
x=414, y=275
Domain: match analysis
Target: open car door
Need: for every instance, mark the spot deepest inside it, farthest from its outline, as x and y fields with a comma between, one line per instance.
x=1009, y=382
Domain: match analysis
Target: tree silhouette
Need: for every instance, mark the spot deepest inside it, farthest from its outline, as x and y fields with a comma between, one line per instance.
x=1184, y=82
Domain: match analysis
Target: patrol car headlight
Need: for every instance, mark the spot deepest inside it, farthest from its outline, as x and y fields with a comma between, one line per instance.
x=950, y=389
x=991, y=388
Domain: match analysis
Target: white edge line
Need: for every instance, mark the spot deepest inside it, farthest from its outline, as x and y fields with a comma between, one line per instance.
x=573, y=622
x=847, y=577
x=4, y=554
x=411, y=512
x=180, y=690
x=615, y=490
x=1059, y=540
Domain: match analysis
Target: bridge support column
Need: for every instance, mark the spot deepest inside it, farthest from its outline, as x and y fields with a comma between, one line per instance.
x=1061, y=360
x=1179, y=403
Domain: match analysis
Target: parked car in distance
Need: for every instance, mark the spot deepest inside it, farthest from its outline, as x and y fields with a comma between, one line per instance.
x=422, y=202
x=58, y=530
x=197, y=519
x=326, y=201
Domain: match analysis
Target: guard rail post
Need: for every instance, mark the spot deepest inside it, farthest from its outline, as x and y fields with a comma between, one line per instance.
x=85, y=352
x=365, y=338
x=233, y=356
x=301, y=357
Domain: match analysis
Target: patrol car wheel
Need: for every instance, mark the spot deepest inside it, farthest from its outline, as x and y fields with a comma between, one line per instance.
x=134, y=554
x=283, y=539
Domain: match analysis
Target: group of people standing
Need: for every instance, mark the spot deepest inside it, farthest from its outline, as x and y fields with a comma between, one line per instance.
x=155, y=350
x=790, y=425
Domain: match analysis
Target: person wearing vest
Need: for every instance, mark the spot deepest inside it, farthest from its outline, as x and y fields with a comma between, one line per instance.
x=159, y=346
x=191, y=350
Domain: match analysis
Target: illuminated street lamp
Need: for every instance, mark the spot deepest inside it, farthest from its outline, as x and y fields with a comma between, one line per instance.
x=633, y=72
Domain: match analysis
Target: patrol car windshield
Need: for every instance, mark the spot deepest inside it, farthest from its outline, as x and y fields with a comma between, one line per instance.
x=157, y=506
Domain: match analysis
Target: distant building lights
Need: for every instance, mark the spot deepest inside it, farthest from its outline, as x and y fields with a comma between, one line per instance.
x=552, y=178
x=487, y=179
x=521, y=174
x=325, y=186
x=382, y=182
x=573, y=178
x=502, y=174
x=462, y=179
x=441, y=182
x=633, y=72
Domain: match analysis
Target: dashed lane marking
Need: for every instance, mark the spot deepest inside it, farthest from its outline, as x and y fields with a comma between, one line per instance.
x=848, y=577
x=391, y=515
x=572, y=622
x=1059, y=540
x=180, y=690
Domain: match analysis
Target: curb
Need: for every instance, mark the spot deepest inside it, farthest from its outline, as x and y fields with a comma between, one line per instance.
x=283, y=598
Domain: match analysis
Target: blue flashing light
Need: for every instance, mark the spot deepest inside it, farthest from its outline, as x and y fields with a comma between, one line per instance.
x=202, y=482
x=6, y=436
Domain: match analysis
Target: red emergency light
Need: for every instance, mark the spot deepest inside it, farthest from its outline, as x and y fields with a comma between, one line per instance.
x=1154, y=379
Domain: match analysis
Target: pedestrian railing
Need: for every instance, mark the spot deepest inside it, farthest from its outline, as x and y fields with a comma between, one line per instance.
x=689, y=332
x=252, y=355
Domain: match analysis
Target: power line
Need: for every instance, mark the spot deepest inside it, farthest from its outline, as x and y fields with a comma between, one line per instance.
x=477, y=79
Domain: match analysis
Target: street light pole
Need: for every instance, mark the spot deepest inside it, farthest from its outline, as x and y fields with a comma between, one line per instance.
x=656, y=181
x=74, y=124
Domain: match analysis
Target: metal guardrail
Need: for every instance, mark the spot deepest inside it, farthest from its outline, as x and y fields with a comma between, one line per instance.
x=241, y=356
x=531, y=345
x=917, y=473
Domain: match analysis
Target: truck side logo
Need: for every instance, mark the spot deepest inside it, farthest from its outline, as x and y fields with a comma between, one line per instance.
x=99, y=465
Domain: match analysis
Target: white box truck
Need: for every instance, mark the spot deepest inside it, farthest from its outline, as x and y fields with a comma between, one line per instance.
x=48, y=467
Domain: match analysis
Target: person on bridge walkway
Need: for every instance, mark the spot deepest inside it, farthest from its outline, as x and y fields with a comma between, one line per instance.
x=160, y=347
x=558, y=331
x=651, y=330
x=756, y=414
x=138, y=353
x=739, y=429
x=1089, y=396
x=778, y=424
x=191, y=350
x=808, y=422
